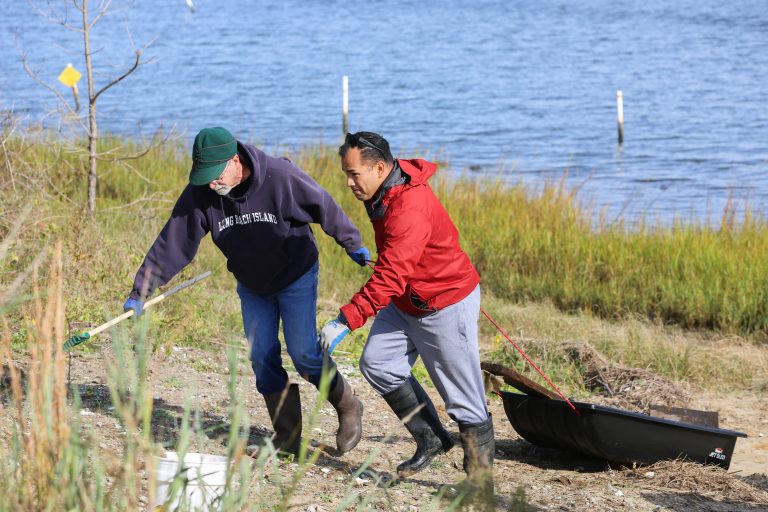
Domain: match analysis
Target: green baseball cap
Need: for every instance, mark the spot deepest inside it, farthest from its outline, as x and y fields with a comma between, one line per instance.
x=212, y=149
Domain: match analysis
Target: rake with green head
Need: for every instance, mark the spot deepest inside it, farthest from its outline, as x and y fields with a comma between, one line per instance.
x=79, y=338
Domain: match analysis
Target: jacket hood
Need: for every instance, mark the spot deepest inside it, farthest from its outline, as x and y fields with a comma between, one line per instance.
x=418, y=170
x=257, y=160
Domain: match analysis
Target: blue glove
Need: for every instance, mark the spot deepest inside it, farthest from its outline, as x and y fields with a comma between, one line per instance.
x=331, y=334
x=360, y=256
x=136, y=305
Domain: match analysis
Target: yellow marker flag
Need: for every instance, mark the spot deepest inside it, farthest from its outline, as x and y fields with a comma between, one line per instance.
x=70, y=76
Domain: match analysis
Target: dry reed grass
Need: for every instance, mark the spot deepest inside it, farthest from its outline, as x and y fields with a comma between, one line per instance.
x=630, y=388
x=709, y=482
x=48, y=462
x=43, y=427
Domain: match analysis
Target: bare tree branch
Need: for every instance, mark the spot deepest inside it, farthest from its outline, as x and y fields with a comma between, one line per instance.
x=33, y=74
x=102, y=10
x=140, y=153
x=134, y=170
x=51, y=16
x=138, y=62
x=120, y=79
x=152, y=198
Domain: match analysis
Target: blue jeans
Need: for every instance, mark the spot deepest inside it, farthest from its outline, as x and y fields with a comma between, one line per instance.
x=296, y=305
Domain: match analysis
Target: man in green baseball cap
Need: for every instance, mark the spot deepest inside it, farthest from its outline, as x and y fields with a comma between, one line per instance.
x=258, y=209
x=212, y=150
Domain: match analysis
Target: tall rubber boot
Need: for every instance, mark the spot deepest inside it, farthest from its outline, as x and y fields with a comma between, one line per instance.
x=285, y=411
x=350, y=411
x=414, y=408
x=479, y=446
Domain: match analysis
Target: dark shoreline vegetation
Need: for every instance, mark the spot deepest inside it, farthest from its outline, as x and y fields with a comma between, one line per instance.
x=542, y=247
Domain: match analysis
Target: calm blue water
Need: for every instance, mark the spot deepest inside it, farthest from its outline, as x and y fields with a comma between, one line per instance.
x=525, y=88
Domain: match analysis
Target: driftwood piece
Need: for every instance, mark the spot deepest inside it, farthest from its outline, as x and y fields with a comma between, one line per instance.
x=706, y=418
x=518, y=381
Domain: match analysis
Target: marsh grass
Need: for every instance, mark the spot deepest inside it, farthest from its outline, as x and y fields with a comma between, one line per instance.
x=546, y=247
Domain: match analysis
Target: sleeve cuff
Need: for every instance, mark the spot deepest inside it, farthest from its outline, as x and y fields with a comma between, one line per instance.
x=343, y=319
x=352, y=318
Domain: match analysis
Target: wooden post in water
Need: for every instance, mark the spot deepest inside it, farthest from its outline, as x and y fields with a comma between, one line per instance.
x=345, y=105
x=620, y=112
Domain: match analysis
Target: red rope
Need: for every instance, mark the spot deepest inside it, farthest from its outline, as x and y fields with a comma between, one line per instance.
x=530, y=362
x=371, y=264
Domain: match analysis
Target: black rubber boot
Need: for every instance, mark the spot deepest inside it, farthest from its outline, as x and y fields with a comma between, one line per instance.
x=479, y=446
x=414, y=408
x=350, y=411
x=285, y=411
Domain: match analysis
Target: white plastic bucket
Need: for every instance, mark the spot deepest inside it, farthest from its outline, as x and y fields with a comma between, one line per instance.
x=205, y=475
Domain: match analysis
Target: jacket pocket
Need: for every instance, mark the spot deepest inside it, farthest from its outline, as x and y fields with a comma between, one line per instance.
x=419, y=303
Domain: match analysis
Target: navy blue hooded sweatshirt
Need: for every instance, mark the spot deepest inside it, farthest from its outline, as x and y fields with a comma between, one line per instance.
x=263, y=230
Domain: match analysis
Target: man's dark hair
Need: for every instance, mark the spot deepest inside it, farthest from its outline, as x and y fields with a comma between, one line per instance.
x=373, y=147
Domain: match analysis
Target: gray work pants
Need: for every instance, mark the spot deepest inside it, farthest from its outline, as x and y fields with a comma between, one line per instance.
x=446, y=340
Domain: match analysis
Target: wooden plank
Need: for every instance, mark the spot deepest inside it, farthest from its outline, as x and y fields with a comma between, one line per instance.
x=518, y=381
x=705, y=418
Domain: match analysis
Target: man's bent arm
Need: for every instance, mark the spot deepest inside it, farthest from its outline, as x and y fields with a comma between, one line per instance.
x=173, y=248
x=407, y=236
x=316, y=205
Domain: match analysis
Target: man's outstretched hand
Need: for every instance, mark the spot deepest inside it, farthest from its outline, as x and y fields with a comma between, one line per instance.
x=360, y=256
x=331, y=334
x=134, y=304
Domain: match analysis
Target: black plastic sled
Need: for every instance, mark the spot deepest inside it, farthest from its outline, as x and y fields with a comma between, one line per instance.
x=614, y=434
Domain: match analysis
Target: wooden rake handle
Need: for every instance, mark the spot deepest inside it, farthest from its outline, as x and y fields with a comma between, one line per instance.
x=80, y=338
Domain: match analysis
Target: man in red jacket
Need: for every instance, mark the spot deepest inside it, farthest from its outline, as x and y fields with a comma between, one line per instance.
x=425, y=294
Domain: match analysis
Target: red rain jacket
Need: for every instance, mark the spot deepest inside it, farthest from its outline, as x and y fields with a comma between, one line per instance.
x=420, y=264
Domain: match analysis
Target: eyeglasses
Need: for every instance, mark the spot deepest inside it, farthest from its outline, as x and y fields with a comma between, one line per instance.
x=223, y=172
x=356, y=141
